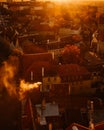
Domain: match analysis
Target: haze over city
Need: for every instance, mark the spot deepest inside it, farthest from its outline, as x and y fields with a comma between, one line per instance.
x=52, y=65
x=59, y=1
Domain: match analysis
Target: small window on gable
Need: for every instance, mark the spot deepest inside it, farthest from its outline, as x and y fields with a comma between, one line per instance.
x=47, y=88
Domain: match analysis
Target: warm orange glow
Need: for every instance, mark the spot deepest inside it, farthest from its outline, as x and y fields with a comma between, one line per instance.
x=66, y=1
x=7, y=78
x=61, y=1
x=26, y=87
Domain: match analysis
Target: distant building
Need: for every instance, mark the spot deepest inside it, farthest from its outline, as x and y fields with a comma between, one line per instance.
x=76, y=79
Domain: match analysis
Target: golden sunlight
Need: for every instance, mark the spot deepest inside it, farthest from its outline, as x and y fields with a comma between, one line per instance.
x=67, y=1
x=59, y=1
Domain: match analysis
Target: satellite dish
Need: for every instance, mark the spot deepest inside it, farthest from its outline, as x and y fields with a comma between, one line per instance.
x=75, y=128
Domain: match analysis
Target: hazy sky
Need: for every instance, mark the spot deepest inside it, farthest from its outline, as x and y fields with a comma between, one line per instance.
x=69, y=0
x=62, y=1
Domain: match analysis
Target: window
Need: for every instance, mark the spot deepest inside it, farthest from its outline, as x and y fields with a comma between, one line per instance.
x=48, y=79
x=47, y=88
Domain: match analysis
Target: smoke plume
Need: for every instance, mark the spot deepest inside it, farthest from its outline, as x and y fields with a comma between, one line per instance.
x=8, y=79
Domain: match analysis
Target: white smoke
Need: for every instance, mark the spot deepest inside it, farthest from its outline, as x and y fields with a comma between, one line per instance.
x=9, y=71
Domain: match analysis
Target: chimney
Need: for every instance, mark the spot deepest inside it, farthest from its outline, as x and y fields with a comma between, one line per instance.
x=91, y=112
x=31, y=75
x=42, y=71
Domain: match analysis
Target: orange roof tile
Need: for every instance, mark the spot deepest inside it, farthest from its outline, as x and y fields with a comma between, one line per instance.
x=72, y=70
x=76, y=126
x=99, y=126
x=28, y=59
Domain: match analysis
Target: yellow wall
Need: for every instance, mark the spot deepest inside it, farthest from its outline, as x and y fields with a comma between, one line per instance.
x=75, y=88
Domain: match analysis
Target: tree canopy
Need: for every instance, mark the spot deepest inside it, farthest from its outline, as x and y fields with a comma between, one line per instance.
x=71, y=54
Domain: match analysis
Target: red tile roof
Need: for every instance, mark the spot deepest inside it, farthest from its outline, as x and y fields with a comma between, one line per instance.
x=76, y=126
x=99, y=126
x=28, y=59
x=30, y=48
x=36, y=67
x=72, y=70
x=35, y=63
